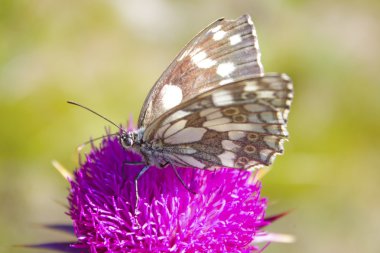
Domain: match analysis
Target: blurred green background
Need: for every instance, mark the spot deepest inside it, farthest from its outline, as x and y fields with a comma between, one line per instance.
x=107, y=55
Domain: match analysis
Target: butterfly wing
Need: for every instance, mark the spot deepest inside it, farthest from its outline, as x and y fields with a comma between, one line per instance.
x=225, y=51
x=240, y=125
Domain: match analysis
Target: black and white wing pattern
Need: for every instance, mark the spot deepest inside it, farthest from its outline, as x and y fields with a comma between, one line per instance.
x=239, y=125
x=226, y=51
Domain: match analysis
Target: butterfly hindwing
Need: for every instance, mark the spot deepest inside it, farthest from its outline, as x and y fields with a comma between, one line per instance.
x=240, y=125
x=226, y=51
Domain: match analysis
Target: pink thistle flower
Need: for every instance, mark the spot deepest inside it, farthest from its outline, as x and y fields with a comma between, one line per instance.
x=226, y=214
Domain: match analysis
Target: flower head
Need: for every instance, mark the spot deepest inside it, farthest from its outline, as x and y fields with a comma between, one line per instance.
x=225, y=215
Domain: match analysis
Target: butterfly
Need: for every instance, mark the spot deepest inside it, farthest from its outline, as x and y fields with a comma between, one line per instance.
x=214, y=106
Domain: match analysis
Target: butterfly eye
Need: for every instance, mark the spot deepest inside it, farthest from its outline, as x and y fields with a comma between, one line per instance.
x=126, y=140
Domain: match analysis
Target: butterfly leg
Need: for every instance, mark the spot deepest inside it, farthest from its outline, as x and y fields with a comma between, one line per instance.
x=126, y=163
x=162, y=165
x=142, y=171
x=134, y=163
x=181, y=180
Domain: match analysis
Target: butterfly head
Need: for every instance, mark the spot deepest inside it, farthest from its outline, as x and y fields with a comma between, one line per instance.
x=127, y=139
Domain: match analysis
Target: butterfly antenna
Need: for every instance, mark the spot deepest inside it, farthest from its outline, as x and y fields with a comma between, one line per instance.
x=90, y=110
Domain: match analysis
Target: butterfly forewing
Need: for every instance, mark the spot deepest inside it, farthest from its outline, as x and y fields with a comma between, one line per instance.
x=225, y=51
x=240, y=125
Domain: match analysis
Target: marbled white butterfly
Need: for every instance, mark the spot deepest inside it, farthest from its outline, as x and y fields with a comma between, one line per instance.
x=214, y=106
